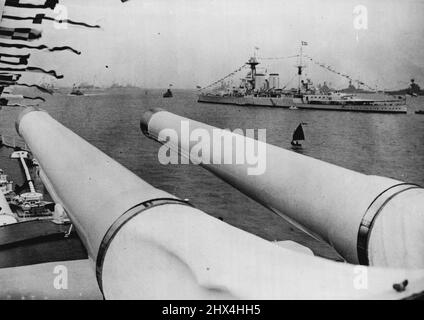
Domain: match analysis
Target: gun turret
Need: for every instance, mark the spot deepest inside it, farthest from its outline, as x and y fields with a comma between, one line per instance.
x=145, y=243
x=369, y=220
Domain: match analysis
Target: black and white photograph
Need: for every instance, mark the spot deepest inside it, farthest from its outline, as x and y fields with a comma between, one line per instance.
x=211, y=150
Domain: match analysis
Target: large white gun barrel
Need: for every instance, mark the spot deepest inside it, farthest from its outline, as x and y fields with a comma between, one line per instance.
x=99, y=195
x=369, y=220
x=147, y=244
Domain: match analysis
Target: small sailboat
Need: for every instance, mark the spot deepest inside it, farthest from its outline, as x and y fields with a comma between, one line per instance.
x=298, y=135
x=168, y=93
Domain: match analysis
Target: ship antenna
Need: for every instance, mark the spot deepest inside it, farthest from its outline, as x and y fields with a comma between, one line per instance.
x=253, y=62
x=300, y=67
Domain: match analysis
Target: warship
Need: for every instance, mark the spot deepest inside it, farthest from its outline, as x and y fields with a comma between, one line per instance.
x=264, y=90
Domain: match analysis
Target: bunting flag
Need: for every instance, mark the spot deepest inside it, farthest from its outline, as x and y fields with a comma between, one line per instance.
x=14, y=59
x=222, y=79
x=331, y=69
x=48, y=4
x=11, y=65
x=40, y=47
x=304, y=43
x=19, y=84
x=7, y=77
x=40, y=88
x=25, y=34
x=7, y=83
x=35, y=98
x=39, y=18
x=280, y=58
x=18, y=105
x=33, y=69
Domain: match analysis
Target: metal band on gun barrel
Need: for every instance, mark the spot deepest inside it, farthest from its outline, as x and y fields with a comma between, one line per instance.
x=121, y=221
x=371, y=214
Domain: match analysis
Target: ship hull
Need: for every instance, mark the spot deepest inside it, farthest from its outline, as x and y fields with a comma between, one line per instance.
x=288, y=102
x=248, y=101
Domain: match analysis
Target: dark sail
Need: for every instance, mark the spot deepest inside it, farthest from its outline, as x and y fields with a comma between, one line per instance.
x=298, y=134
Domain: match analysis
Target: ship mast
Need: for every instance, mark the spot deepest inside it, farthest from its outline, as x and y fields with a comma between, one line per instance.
x=253, y=62
x=300, y=68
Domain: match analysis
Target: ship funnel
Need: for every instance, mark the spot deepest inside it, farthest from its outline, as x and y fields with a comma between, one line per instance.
x=274, y=81
x=369, y=220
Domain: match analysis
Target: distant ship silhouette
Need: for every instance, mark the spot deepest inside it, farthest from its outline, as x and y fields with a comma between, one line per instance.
x=413, y=90
x=352, y=89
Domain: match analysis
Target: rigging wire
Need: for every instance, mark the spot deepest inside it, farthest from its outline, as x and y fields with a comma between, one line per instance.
x=331, y=69
x=289, y=82
x=244, y=66
x=226, y=77
x=322, y=65
x=279, y=58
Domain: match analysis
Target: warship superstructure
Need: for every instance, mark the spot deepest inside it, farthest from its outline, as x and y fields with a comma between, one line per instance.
x=264, y=90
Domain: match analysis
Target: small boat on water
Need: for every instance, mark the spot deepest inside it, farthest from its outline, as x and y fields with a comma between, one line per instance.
x=298, y=135
x=76, y=91
x=168, y=94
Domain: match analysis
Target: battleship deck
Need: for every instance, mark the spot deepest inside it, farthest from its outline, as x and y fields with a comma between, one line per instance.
x=288, y=102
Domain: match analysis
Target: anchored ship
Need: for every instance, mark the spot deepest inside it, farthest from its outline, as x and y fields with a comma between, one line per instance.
x=261, y=89
x=76, y=91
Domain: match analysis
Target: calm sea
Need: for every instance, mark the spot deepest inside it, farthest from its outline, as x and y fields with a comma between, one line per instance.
x=379, y=144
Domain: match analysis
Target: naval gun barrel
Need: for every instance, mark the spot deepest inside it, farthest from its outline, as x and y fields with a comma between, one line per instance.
x=147, y=244
x=369, y=220
x=26, y=171
x=99, y=195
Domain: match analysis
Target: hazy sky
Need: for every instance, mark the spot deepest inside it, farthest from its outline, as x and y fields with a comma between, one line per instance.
x=152, y=43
